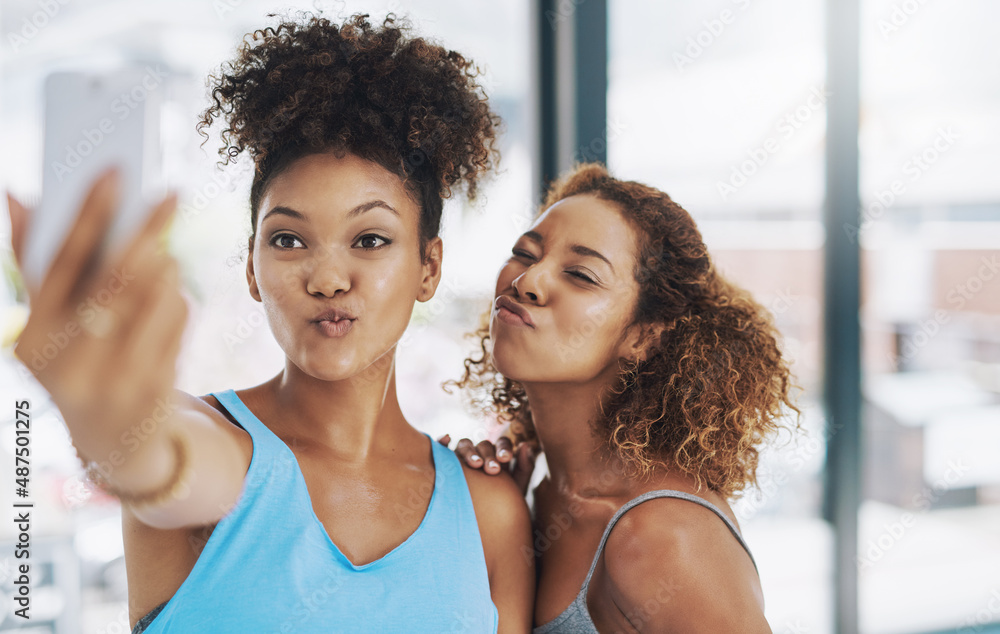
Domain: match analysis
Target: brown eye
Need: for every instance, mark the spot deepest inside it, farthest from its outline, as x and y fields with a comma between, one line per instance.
x=285, y=241
x=371, y=242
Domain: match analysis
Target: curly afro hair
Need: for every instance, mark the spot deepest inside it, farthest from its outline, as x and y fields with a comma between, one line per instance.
x=310, y=86
x=713, y=386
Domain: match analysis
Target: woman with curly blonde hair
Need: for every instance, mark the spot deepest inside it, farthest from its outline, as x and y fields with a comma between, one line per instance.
x=650, y=382
x=307, y=503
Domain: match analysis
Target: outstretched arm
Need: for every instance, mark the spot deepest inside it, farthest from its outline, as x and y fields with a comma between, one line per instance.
x=121, y=318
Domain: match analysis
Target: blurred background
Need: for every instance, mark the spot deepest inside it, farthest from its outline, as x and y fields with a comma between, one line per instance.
x=884, y=515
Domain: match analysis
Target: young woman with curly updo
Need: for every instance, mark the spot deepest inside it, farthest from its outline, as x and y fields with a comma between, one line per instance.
x=307, y=503
x=649, y=382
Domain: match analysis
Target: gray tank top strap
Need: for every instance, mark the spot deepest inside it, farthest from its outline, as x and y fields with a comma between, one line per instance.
x=663, y=493
x=575, y=619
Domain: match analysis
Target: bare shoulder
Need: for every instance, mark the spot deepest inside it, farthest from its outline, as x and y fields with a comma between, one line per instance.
x=213, y=411
x=673, y=565
x=505, y=529
x=502, y=516
x=496, y=497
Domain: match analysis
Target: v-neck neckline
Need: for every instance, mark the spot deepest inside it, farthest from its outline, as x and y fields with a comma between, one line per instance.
x=312, y=509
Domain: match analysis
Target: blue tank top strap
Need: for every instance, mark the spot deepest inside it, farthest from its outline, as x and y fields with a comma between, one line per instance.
x=662, y=493
x=244, y=417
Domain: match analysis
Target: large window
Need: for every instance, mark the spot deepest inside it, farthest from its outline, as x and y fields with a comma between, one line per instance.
x=929, y=557
x=707, y=102
x=722, y=105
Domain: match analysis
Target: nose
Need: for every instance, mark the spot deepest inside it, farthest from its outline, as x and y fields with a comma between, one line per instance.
x=530, y=285
x=326, y=276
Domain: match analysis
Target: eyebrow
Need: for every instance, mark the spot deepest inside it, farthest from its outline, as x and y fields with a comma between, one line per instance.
x=579, y=249
x=357, y=211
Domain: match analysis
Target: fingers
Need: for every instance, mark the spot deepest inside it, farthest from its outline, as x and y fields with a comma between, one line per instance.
x=18, y=221
x=467, y=452
x=158, y=324
x=81, y=249
x=135, y=276
x=505, y=451
x=445, y=440
x=149, y=233
x=488, y=453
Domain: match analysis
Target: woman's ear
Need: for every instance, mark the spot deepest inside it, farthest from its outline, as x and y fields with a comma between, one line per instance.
x=251, y=277
x=641, y=340
x=431, y=270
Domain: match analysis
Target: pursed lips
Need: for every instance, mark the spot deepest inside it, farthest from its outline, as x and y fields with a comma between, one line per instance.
x=510, y=311
x=334, y=322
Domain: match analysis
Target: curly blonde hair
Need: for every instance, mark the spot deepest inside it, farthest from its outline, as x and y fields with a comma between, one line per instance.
x=708, y=392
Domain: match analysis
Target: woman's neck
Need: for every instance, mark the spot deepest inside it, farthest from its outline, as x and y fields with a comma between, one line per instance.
x=355, y=417
x=579, y=461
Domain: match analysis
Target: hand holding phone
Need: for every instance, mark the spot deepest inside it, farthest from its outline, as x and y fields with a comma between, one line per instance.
x=103, y=338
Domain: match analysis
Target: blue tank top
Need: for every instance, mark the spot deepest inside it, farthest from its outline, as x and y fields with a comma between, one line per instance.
x=270, y=566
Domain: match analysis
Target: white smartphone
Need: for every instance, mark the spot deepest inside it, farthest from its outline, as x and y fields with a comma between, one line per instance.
x=93, y=122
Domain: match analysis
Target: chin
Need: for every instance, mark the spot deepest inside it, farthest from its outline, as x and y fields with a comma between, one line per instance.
x=327, y=367
x=512, y=365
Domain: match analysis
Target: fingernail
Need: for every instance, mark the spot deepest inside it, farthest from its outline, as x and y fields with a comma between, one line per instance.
x=474, y=457
x=493, y=463
x=503, y=453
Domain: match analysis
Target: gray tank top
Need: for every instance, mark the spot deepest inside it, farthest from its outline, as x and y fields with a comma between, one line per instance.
x=576, y=618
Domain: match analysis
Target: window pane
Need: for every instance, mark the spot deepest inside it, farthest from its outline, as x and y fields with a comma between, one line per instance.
x=930, y=148
x=722, y=105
